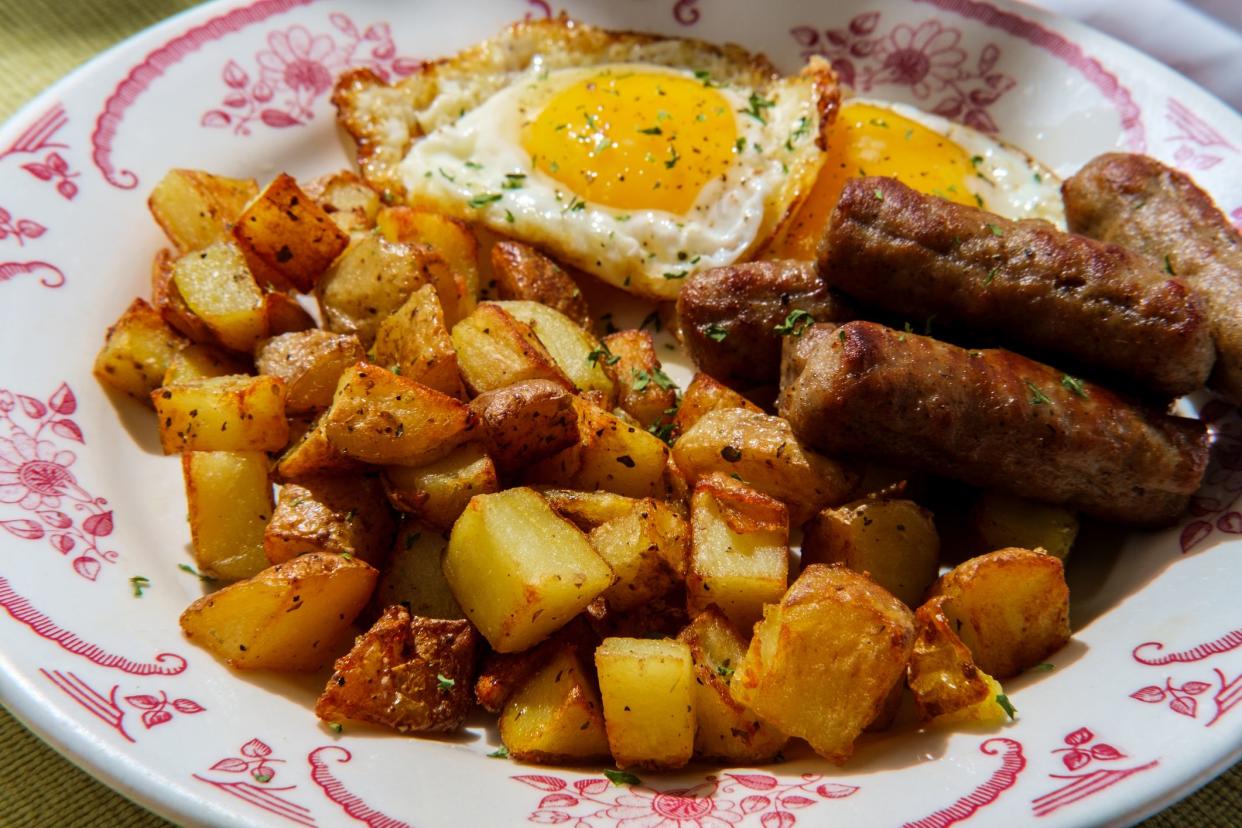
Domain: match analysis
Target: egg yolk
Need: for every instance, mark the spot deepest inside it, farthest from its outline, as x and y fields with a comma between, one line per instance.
x=634, y=140
x=869, y=140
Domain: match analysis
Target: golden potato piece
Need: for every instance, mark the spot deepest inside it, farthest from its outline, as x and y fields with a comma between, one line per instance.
x=414, y=342
x=522, y=272
x=408, y=673
x=586, y=510
x=1010, y=607
x=310, y=363
x=822, y=662
x=648, y=693
x=312, y=454
x=438, y=492
x=222, y=414
x=525, y=422
x=169, y=302
x=647, y=550
x=198, y=362
x=644, y=391
x=137, y=352
x=705, y=394
x=291, y=616
x=495, y=350
x=550, y=570
x=998, y=521
x=286, y=236
x=503, y=674
x=196, y=208
x=942, y=673
x=453, y=240
x=414, y=577
x=556, y=716
x=230, y=502
x=347, y=199
x=217, y=287
x=285, y=314
x=578, y=353
x=346, y=515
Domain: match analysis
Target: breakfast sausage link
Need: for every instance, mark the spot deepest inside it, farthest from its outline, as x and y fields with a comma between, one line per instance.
x=1092, y=306
x=994, y=419
x=1159, y=213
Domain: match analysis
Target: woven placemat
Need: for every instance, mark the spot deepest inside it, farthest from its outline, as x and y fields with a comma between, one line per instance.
x=39, y=43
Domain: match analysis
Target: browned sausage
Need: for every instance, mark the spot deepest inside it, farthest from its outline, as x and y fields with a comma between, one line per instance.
x=994, y=419
x=1159, y=213
x=1078, y=302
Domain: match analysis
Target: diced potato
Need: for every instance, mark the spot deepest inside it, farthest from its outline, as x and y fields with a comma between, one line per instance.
x=217, y=287
x=196, y=208
x=942, y=673
x=347, y=199
x=169, y=302
x=893, y=541
x=291, y=616
x=230, y=503
x=764, y=452
x=525, y=422
x=414, y=577
x=342, y=515
x=643, y=390
x=310, y=363
x=550, y=572
x=647, y=550
x=999, y=521
x=705, y=394
x=285, y=314
x=647, y=688
x=588, y=509
x=1010, y=607
x=503, y=674
x=494, y=350
x=199, y=362
x=408, y=673
x=987, y=712
x=222, y=414
x=312, y=454
x=727, y=731
x=571, y=346
x=662, y=617
x=379, y=417
x=522, y=272
x=556, y=716
x=453, y=240
x=438, y=492
x=137, y=351
x=415, y=342
x=739, y=558
x=822, y=662
x=609, y=455
x=286, y=237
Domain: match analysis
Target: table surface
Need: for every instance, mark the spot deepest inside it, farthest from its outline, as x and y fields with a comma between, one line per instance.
x=40, y=43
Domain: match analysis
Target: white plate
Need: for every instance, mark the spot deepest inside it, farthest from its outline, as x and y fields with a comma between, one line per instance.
x=1138, y=711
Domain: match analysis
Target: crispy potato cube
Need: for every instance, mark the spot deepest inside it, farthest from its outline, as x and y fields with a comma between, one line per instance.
x=230, y=503
x=764, y=452
x=519, y=570
x=525, y=422
x=648, y=693
x=408, y=673
x=739, y=558
x=291, y=616
x=347, y=199
x=415, y=342
x=217, y=287
x=169, y=302
x=588, y=509
x=662, y=617
x=312, y=454
x=137, y=351
x=310, y=363
x=503, y=674
x=522, y=272
x=999, y=521
x=438, y=492
x=222, y=414
x=1010, y=607
x=822, y=662
x=414, y=577
x=575, y=350
x=285, y=314
x=287, y=237
x=197, y=208
x=556, y=716
x=379, y=417
x=495, y=350
x=643, y=390
x=453, y=240
x=893, y=541
x=727, y=731
x=342, y=515
x=609, y=455
x=705, y=394
x=199, y=362
x=942, y=673
x=647, y=550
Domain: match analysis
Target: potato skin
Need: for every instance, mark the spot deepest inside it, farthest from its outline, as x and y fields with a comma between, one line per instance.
x=344, y=515
x=287, y=237
x=137, y=352
x=522, y=272
x=643, y=391
x=942, y=673
x=525, y=422
x=310, y=363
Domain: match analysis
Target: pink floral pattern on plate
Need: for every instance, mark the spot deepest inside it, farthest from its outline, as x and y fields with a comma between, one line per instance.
x=153, y=710
x=256, y=762
x=38, y=138
x=1200, y=146
x=1079, y=754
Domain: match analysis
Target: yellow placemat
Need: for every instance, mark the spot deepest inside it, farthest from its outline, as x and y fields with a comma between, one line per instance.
x=39, y=43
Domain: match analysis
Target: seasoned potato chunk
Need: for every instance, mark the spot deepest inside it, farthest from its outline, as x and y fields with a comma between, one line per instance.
x=217, y=287
x=503, y=674
x=379, y=417
x=408, y=673
x=230, y=502
x=556, y=716
x=522, y=272
x=822, y=662
x=1010, y=607
x=739, y=559
x=453, y=241
x=312, y=454
x=286, y=236
x=495, y=350
x=347, y=199
x=705, y=394
x=285, y=314
x=525, y=422
x=647, y=550
x=648, y=693
x=196, y=208
x=137, y=352
x=291, y=616
x=577, y=352
x=550, y=570
x=310, y=363
x=415, y=342
x=644, y=391
x=199, y=362
x=893, y=541
x=999, y=521
x=764, y=452
x=222, y=414
x=438, y=492
x=588, y=509
x=344, y=515
x=169, y=302
x=942, y=673
x=727, y=731
x=414, y=577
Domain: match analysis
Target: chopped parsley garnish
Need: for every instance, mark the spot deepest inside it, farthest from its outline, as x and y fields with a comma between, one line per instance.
x=880, y=122
x=1042, y=667
x=617, y=777
x=1037, y=397
x=575, y=205
x=672, y=159
x=655, y=130
x=996, y=231
x=641, y=380
x=262, y=778
x=335, y=727
x=513, y=181
x=444, y=684
x=991, y=275
x=1168, y=265
x=724, y=670
x=715, y=332
x=706, y=77
x=740, y=145
x=879, y=193
x=195, y=572
x=976, y=160
x=676, y=274
x=662, y=379
x=804, y=127
x=501, y=752
x=485, y=199
x=1009, y=709
x=508, y=216
x=757, y=105
x=139, y=583
x=794, y=324
x=1074, y=385
x=841, y=335
x=731, y=453
x=447, y=177
x=621, y=217
x=602, y=353
x=663, y=431
x=473, y=165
